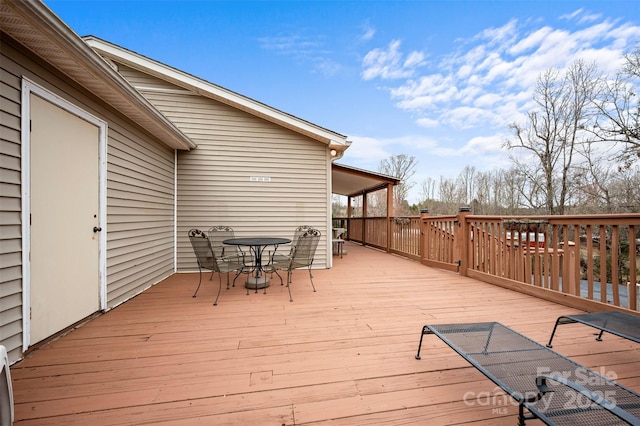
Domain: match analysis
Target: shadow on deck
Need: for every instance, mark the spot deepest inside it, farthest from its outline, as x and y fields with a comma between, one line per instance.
x=343, y=355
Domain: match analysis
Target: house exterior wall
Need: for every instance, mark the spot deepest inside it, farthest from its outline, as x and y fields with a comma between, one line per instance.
x=221, y=182
x=140, y=194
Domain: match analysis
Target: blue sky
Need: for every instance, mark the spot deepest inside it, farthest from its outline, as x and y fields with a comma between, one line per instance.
x=437, y=80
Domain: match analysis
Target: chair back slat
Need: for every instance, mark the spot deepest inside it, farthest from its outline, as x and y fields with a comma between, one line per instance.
x=305, y=248
x=296, y=234
x=217, y=234
x=202, y=249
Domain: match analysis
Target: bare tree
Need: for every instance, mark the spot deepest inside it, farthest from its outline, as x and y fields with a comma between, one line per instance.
x=402, y=167
x=593, y=177
x=483, y=193
x=428, y=193
x=428, y=189
x=626, y=192
x=449, y=196
x=552, y=132
x=618, y=110
x=467, y=178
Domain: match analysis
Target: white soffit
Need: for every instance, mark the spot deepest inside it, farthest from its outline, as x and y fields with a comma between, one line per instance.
x=351, y=181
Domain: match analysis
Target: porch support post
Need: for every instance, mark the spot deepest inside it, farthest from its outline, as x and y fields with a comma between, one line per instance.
x=462, y=241
x=348, y=215
x=633, y=278
x=365, y=207
x=424, y=236
x=390, y=216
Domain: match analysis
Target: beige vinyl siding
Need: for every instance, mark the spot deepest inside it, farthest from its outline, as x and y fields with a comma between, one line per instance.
x=140, y=214
x=10, y=208
x=140, y=195
x=214, y=180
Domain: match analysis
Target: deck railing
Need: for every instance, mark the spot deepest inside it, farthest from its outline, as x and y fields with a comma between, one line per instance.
x=560, y=258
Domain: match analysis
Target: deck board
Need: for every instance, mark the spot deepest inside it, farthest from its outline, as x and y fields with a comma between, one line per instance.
x=343, y=355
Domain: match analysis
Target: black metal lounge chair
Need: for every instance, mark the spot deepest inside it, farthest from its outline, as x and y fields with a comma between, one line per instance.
x=547, y=385
x=614, y=322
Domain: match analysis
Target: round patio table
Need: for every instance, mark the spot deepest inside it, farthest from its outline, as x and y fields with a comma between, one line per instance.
x=257, y=278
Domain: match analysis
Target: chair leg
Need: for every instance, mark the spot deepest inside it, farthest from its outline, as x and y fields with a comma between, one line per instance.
x=289, y=285
x=279, y=276
x=215, y=303
x=199, y=282
x=311, y=279
x=234, y=278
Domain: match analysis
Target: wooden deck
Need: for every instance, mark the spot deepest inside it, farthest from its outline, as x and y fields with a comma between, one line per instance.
x=341, y=356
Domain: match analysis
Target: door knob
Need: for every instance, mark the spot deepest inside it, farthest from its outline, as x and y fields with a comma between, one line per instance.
x=97, y=229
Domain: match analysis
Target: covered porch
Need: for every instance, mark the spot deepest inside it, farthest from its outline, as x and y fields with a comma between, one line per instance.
x=343, y=355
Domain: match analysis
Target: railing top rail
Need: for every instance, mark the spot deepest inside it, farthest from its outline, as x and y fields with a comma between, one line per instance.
x=578, y=217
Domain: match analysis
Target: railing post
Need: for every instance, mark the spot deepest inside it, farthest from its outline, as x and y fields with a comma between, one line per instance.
x=570, y=253
x=390, y=216
x=462, y=241
x=424, y=236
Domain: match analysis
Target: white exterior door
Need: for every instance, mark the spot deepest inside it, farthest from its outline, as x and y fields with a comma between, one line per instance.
x=64, y=209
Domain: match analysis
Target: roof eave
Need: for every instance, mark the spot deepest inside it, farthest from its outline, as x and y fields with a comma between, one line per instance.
x=218, y=93
x=89, y=67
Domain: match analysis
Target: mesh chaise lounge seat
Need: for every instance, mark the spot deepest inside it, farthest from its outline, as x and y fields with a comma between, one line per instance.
x=549, y=386
x=619, y=323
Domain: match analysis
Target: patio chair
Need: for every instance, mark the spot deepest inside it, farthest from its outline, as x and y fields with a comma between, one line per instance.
x=274, y=257
x=6, y=393
x=338, y=241
x=302, y=257
x=217, y=234
x=208, y=260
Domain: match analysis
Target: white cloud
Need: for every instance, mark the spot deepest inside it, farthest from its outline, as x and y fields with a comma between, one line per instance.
x=368, y=33
x=305, y=49
x=489, y=82
x=484, y=144
x=466, y=100
x=487, y=100
x=367, y=151
x=427, y=122
x=531, y=41
x=497, y=36
x=465, y=117
x=572, y=15
x=290, y=44
x=326, y=66
x=414, y=59
x=581, y=16
x=389, y=63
